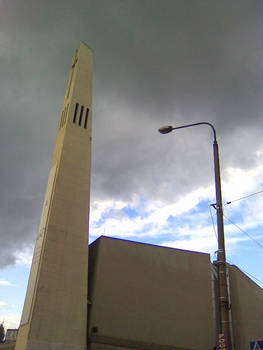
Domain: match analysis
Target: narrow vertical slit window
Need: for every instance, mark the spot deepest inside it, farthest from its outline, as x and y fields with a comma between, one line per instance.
x=76, y=112
x=60, y=122
x=65, y=114
x=61, y=119
x=80, y=116
x=64, y=117
x=70, y=80
x=86, y=118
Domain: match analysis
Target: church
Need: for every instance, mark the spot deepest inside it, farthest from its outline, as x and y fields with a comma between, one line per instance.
x=116, y=294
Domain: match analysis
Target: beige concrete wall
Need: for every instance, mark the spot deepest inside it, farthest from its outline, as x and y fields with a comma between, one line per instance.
x=55, y=310
x=247, y=309
x=149, y=297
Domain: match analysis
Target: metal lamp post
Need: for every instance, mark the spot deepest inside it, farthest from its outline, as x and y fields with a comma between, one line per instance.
x=224, y=331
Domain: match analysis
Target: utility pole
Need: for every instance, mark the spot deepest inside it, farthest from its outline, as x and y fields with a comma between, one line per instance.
x=224, y=335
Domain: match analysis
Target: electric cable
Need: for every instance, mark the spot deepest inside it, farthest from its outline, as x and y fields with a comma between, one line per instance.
x=261, y=246
x=245, y=272
x=253, y=239
x=213, y=222
x=239, y=199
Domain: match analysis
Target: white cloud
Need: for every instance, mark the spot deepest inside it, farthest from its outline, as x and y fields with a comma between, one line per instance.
x=201, y=240
x=11, y=320
x=205, y=244
x=6, y=283
x=239, y=182
x=152, y=216
x=191, y=227
x=24, y=257
x=3, y=303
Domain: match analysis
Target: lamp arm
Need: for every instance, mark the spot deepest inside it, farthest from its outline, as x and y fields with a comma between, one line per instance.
x=200, y=123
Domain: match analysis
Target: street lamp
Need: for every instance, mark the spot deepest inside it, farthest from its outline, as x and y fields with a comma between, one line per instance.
x=224, y=306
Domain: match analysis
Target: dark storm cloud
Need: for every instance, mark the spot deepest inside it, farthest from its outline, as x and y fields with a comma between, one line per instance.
x=155, y=62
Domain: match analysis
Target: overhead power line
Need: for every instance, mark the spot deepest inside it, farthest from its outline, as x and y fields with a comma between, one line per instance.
x=245, y=272
x=213, y=221
x=239, y=199
x=243, y=231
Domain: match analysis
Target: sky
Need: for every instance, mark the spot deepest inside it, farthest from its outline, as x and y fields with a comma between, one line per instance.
x=168, y=62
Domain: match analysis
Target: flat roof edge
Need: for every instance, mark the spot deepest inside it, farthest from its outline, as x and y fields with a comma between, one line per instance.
x=146, y=244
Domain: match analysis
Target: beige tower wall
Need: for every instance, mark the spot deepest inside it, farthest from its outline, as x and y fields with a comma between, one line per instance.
x=55, y=309
x=247, y=308
x=149, y=297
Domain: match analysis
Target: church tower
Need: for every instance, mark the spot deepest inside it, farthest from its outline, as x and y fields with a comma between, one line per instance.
x=55, y=309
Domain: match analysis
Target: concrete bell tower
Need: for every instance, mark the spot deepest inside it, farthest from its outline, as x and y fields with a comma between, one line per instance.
x=55, y=309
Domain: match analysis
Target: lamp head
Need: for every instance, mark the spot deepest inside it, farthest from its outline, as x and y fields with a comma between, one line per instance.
x=165, y=129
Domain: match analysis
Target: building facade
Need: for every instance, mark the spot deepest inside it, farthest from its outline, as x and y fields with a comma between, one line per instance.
x=149, y=297
x=11, y=334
